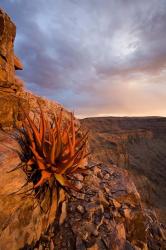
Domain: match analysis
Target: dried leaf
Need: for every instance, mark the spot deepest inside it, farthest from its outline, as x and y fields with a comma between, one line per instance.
x=63, y=213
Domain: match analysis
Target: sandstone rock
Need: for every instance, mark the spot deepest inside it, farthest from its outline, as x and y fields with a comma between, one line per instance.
x=63, y=213
x=7, y=36
x=156, y=232
x=9, y=83
x=102, y=199
x=19, y=83
x=118, y=239
x=51, y=245
x=116, y=203
x=79, y=177
x=126, y=212
x=94, y=247
x=79, y=244
x=78, y=185
x=97, y=226
x=11, y=115
x=8, y=61
x=17, y=215
x=17, y=63
x=12, y=93
x=106, y=176
x=9, y=110
x=81, y=209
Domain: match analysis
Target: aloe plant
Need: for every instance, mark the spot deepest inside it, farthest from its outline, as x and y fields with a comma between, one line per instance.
x=56, y=150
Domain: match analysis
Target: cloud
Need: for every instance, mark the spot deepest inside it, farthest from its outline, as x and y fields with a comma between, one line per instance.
x=96, y=57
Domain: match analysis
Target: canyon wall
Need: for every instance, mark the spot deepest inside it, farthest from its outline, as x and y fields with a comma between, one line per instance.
x=138, y=145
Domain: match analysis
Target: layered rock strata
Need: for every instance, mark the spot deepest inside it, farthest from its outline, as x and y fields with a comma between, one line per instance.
x=138, y=145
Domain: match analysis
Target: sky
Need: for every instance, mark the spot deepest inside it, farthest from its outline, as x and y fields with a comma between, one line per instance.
x=96, y=57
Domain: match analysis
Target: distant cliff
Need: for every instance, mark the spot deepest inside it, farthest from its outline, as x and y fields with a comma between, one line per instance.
x=138, y=145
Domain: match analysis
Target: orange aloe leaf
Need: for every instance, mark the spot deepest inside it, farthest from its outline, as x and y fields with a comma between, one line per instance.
x=43, y=125
x=58, y=146
x=30, y=162
x=70, y=162
x=58, y=120
x=34, y=128
x=73, y=130
x=79, y=163
x=39, y=159
x=78, y=129
x=52, y=152
x=54, y=205
x=71, y=150
x=83, y=138
x=60, y=117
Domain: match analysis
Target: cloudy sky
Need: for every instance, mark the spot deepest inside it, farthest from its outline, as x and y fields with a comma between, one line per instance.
x=96, y=57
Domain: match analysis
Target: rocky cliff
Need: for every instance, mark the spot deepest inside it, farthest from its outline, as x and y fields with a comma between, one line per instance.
x=12, y=91
x=106, y=211
x=17, y=215
x=138, y=145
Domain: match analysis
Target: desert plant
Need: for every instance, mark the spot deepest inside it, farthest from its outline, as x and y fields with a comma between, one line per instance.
x=52, y=151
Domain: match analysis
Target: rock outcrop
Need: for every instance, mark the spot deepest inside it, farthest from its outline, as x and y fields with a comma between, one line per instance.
x=8, y=61
x=10, y=84
x=20, y=221
x=107, y=214
x=12, y=92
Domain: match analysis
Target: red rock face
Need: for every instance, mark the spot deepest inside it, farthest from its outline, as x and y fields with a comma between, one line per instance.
x=9, y=83
x=108, y=214
x=11, y=87
x=17, y=214
x=8, y=61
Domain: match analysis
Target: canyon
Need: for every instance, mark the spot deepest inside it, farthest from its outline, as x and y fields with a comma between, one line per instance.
x=138, y=145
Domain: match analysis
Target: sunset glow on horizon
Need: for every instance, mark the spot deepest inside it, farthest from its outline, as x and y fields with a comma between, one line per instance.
x=97, y=58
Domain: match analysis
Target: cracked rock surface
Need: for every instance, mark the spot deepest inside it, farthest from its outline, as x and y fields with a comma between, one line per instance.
x=106, y=215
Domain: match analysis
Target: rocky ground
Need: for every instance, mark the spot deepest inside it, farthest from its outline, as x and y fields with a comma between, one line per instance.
x=107, y=214
x=138, y=145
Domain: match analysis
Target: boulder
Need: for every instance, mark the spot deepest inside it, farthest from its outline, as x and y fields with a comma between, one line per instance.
x=17, y=63
x=9, y=83
x=8, y=61
x=21, y=221
x=7, y=36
